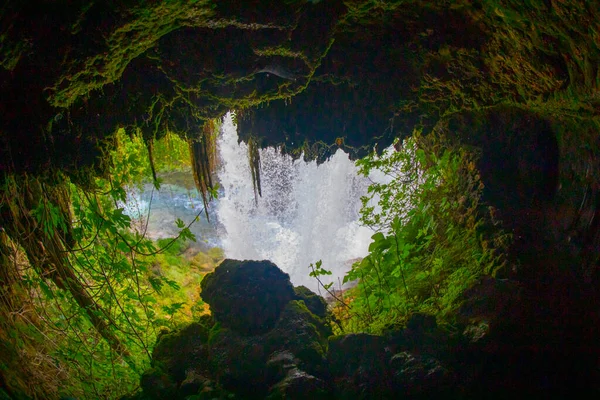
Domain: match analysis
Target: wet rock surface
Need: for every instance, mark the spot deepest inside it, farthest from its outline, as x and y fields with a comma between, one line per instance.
x=491, y=352
x=247, y=296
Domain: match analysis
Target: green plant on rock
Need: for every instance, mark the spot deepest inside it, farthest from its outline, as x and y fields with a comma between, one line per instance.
x=91, y=292
x=434, y=239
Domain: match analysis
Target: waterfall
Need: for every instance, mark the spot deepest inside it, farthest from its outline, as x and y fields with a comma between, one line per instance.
x=307, y=212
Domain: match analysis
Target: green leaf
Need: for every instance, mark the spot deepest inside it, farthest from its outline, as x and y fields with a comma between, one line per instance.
x=46, y=289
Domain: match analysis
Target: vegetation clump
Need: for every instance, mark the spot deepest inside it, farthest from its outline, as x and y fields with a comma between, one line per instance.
x=94, y=290
x=435, y=237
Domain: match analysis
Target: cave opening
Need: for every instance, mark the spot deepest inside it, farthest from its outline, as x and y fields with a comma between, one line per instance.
x=459, y=258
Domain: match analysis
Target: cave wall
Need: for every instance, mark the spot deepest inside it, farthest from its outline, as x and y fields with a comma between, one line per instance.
x=520, y=82
x=312, y=77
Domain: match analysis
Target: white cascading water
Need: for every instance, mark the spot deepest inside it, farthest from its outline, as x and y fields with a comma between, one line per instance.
x=307, y=212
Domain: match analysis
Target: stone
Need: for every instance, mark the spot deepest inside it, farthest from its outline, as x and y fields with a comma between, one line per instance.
x=194, y=382
x=493, y=312
x=247, y=296
x=279, y=363
x=303, y=334
x=315, y=303
x=238, y=362
x=358, y=364
x=419, y=375
x=298, y=385
x=179, y=351
x=158, y=385
x=250, y=365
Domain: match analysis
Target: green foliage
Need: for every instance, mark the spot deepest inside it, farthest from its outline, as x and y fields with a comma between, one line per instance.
x=171, y=153
x=435, y=238
x=96, y=323
x=124, y=43
x=317, y=270
x=129, y=159
x=49, y=217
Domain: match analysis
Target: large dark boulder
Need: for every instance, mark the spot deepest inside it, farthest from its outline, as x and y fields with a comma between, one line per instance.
x=298, y=385
x=263, y=339
x=178, y=351
x=251, y=364
x=247, y=296
x=420, y=376
x=358, y=364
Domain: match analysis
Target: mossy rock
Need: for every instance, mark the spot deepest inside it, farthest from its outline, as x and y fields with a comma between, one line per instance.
x=298, y=385
x=421, y=376
x=359, y=366
x=302, y=333
x=247, y=296
x=216, y=253
x=237, y=362
x=244, y=363
x=181, y=350
x=315, y=303
x=158, y=385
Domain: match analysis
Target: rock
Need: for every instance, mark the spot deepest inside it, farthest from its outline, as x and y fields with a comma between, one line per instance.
x=182, y=350
x=476, y=332
x=493, y=313
x=419, y=375
x=315, y=303
x=279, y=363
x=358, y=364
x=247, y=296
x=298, y=385
x=194, y=382
x=249, y=365
x=158, y=385
x=238, y=362
x=303, y=334
x=421, y=335
x=490, y=299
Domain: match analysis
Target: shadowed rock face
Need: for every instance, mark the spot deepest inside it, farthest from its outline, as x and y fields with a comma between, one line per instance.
x=262, y=338
x=247, y=296
x=499, y=343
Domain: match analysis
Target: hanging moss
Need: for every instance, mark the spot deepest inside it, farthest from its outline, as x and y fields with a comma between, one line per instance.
x=254, y=162
x=203, y=153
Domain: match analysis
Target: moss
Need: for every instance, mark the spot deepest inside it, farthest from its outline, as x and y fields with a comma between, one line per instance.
x=303, y=334
x=216, y=253
x=157, y=384
x=132, y=39
x=202, y=260
x=315, y=303
x=176, y=351
x=214, y=333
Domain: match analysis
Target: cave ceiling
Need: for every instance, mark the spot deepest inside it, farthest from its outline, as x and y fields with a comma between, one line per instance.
x=308, y=76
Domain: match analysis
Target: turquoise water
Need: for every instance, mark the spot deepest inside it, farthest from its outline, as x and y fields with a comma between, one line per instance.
x=155, y=211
